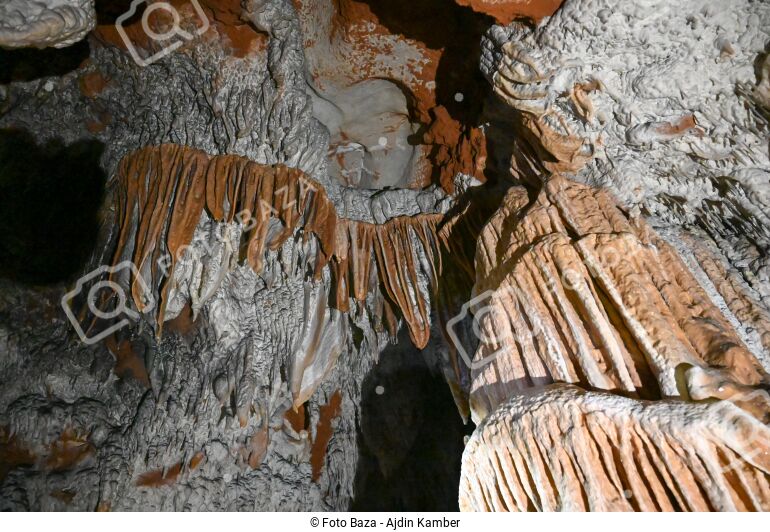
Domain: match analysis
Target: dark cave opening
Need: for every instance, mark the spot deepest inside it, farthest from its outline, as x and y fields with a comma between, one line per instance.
x=50, y=196
x=28, y=64
x=411, y=436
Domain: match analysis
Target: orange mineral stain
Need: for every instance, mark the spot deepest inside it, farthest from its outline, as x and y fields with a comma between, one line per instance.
x=156, y=181
x=327, y=414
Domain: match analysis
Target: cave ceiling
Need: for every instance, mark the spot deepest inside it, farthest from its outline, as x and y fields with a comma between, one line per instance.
x=323, y=255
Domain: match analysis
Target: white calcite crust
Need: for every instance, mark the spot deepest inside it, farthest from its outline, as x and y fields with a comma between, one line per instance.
x=45, y=23
x=615, y=369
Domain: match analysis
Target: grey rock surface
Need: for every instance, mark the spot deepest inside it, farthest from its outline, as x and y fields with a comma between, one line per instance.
x=202, y=418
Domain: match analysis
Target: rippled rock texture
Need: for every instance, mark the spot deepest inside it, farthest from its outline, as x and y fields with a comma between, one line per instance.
x=590, y=302
x=43, y=23
x=306, y=241
x=258, y=288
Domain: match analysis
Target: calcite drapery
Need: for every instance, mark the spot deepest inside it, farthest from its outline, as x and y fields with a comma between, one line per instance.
x=199, y=390
x=664, y=333
x=581, y=293
x=162, y=191
x=576, y=291
x=571, y=450
x=671, y=115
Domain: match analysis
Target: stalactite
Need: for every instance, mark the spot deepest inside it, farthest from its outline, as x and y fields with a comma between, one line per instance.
x=156, y=181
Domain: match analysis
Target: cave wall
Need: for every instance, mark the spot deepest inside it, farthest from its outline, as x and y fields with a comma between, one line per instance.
x=267, y=249
x=205, y=403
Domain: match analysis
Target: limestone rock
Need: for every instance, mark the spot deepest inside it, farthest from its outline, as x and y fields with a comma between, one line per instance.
x=270, y=204
x=618, y=359
x=249, y=397
x=565, y=449
x=307, y=201
x=569, y=288
x=645, y=98
x=43, y=23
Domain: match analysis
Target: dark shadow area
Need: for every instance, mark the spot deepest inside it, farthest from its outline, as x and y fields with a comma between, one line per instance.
x=456, y=30
x=108, y=11
x=50, y=197
x=410, y=436
x=28, y=64
x=759, y=63
x=462, y=226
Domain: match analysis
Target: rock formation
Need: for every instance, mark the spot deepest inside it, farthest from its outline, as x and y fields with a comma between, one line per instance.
x=248, y=355
x=316, y=236
x=580, y=293
x=662, y=105
x=573, y=290
x=506, y=11
x=162, y=193
x=565, y=449
x=42, y=23
x=581, y=306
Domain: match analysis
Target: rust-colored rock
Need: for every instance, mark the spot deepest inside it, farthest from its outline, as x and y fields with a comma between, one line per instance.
x=578, y=292
x=162, y=191
x=606, y=378
x=93, y=83
x=328, y=413
x=506, y=11
x=224, y=17
x=255, y=450
x=128, y=363
x=167, y=476
x=564, y=449
x=13, y=453
x=67, y=451
x=159, y=477
x=363, y=40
